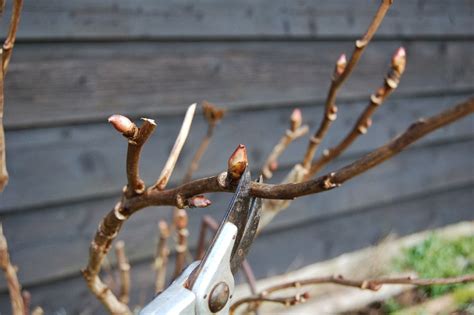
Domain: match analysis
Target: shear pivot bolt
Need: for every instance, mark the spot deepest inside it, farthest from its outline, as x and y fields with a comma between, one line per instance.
x=219, y=297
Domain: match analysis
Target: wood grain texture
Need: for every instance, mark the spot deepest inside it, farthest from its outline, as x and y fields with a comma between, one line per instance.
x=61, y=247
x=88, y=161
x=210, y=19
x=83, y=82
x=329, y=237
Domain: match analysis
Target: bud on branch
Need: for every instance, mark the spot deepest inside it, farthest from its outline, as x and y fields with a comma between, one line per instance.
x=237, y=163
x=341, y=64
x=124, y=125
x=199, y=202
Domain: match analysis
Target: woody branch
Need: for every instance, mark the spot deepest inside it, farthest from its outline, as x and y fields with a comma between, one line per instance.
x=5, y=56
x=113, y=221
x=183, y=195
x=369, y=284
x=14, y=287
x=342, y=71
x=364, y=122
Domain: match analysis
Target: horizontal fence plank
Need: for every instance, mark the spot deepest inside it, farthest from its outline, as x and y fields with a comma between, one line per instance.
x=60, y=242
x=184, y=19
x=53, y=165
x=82, y=82
x=328, y=238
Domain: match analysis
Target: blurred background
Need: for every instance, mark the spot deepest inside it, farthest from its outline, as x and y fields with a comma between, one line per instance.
x=77, y=62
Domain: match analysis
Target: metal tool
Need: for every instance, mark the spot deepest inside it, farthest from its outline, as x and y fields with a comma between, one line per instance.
x=207, y=286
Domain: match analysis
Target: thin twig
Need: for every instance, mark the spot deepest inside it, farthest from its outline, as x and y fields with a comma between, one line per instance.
x=182, y=233
x=213, y=115
x=341, y=73
x=364, y=122
x=136, y=139
x=3, y=163
x=207, y=223
x=294, y=132
x=5, y=56
x=124, y=271
x=26, y=296
x=178, y=145
x=255, y=301
x=161, y=256
x=372, y=284
x=249, y=276
x=11, y=37
x=11, y=277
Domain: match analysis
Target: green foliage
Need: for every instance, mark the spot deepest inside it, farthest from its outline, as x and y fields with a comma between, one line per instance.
x=464, y=296
x=391, y=306
x=439, y=258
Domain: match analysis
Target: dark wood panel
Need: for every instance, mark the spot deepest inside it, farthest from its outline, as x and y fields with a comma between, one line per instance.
x=61, y=240
x=53, y=165
x=328, y=238
x=61, y=83
x=121, y=19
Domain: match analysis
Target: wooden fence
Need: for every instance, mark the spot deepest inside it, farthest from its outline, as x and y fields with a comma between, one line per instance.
x=77, y=62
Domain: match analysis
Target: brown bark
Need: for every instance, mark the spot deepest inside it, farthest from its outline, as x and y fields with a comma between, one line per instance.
x=294, y=132
x=100, y=246
x=161, y=256
x=11, y=37
x=337, y=81
x=364, y=122
x=371, y=284
x=182, y=233
x=111, y=224
x=218, y=183
x=213, y=115
x=3, y=163
x=136, y=185
x=124, y=271
x=14, y=286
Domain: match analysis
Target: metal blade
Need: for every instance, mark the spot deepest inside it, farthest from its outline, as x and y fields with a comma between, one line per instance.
x=236, y=214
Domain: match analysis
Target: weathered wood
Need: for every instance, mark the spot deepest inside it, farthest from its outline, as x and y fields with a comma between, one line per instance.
x=61, y=246
x=122, y=19
x=328, y=238
x=57, y=84
x=80, y=162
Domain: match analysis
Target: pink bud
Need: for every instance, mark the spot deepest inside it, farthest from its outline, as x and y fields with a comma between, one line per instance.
x=399, y=60
x=237, y=162
x=341, y=64
x=123, y=125
x=199, y=202
x=296, y=119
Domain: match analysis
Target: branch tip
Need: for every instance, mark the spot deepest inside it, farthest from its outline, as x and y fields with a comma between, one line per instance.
x=123, y=125
x=237, y=163
x=212, y=113
x=399, y=60
x=341, y=64
x=296, y=119
x=199, y=202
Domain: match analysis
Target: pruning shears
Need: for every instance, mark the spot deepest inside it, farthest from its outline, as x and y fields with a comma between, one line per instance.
x=207, y=286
